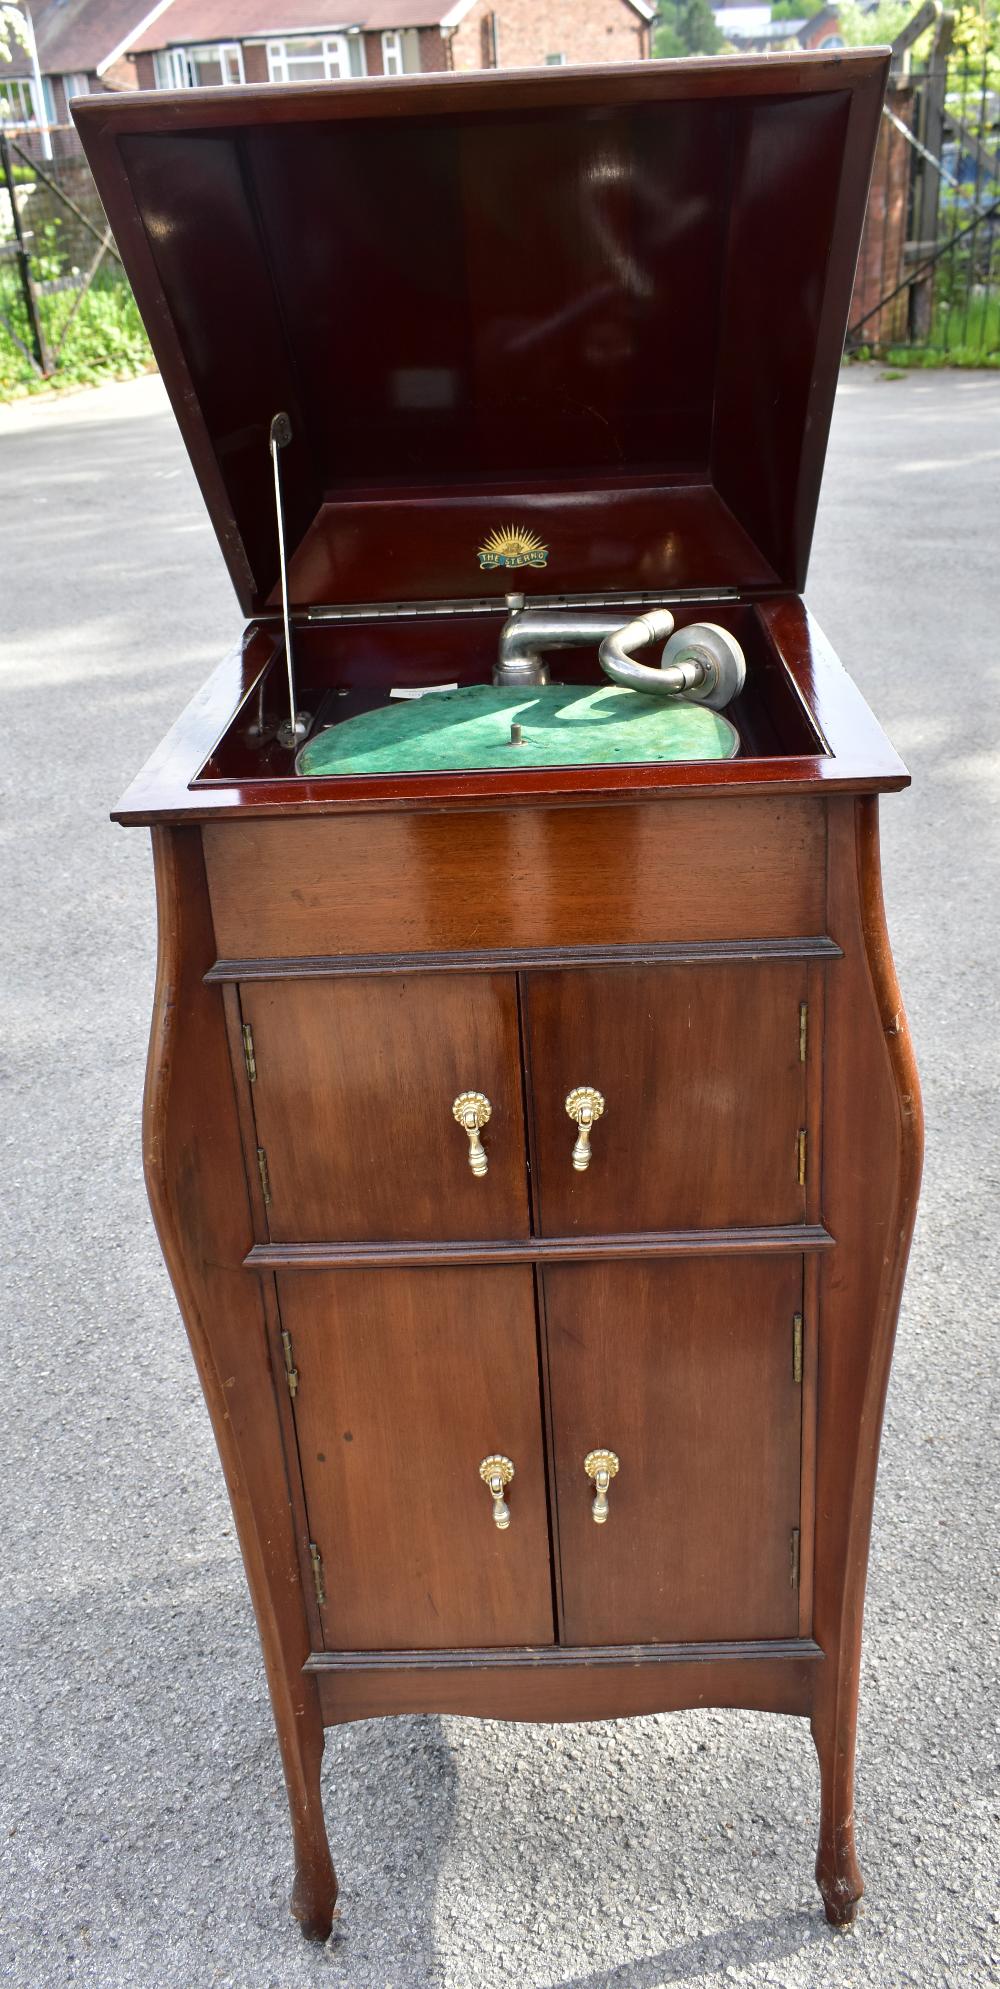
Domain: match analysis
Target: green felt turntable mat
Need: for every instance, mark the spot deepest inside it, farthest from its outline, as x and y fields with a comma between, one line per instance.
x=562, y=725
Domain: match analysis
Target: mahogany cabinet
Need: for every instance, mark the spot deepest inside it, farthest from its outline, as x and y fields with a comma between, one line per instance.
x=534, y=1150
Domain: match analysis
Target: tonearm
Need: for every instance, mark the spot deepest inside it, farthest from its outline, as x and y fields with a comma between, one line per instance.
x=702, y=662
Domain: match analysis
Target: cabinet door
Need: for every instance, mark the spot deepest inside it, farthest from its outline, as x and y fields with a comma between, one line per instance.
x=407, y=1380
x=685, y=1370
x=355, y=1080
x=703, y=1087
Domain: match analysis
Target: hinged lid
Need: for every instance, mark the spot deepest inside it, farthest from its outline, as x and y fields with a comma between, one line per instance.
x=569, y=331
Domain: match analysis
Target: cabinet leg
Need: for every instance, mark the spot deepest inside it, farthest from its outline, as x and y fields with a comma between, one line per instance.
x=838, y=1873
x=314, y=1892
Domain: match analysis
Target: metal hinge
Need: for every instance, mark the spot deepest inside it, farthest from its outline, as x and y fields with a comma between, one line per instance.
x=390, y=611
x=800, y=1145
x=793, y=1559
x=803, y=1030
x=248, y=1055
x=265, y=1178
x=797, y=1347
x=317, y=1567
x=291, y=1371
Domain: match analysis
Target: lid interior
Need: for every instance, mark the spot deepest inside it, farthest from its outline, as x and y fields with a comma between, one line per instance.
x=603, y=308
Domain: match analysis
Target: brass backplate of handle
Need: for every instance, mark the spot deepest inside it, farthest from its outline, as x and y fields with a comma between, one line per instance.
x=472, y=1110
x=496, y=1474
x=601, y=1466
x=584, y=1106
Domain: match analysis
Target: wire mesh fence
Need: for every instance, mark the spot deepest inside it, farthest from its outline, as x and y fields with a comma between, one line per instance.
x=928, y=288
x=65, y=302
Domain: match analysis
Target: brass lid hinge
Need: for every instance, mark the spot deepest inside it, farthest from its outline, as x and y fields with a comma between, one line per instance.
x=793, y=1572
x=248, y=1053
x=291, y=1371
x=317, y=1567
x=800, y=1146
x=803, y=1030
x=797, y=1347
x=265, y=1178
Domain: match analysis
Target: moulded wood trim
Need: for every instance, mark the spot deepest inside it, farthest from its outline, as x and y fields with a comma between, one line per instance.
x=533, y=1656
x=779, y=1239
x=815, y=946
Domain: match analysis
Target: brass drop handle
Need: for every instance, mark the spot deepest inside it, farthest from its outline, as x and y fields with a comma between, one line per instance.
x=585, y=1106
x=601, y=1466
x=496, y=1474
x=472, y=1109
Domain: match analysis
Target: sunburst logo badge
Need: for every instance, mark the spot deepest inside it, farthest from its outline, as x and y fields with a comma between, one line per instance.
x=511, y=545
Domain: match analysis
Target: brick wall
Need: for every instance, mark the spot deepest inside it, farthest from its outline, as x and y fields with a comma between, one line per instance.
x=255, y=62
x=529, y=30
x=40, y=206
x=880, y=264
x=433, y=49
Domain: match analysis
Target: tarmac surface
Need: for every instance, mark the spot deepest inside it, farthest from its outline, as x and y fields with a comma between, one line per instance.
x=142, y=1816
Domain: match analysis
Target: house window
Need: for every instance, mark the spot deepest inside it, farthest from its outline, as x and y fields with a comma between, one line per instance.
x=204, y=67
x=17, y=101
x=400, y=52
x=316, y=59
x=392, y=53
x=554, y=61
x=75, y=86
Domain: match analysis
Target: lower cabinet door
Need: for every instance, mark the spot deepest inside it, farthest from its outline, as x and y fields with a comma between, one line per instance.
x=407, y=1381
x=685, y=1371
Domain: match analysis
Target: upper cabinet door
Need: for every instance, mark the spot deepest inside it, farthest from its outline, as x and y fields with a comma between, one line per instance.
x=356, y=1079
x=701, y=1074
x=685, y=1372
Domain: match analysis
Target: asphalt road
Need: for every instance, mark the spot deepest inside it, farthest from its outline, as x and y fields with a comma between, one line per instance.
x=142, y=1817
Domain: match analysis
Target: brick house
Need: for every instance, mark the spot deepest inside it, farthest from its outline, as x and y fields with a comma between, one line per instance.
x=82, y=48
x=193, y=43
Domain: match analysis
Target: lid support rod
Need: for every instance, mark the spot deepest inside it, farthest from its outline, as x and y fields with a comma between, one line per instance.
x=296, y=726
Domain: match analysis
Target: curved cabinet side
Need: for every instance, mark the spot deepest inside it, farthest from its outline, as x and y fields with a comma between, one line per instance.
x=872, y=1153
x=197, y=1190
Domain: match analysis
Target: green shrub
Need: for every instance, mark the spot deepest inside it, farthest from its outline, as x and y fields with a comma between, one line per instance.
x=105, y=341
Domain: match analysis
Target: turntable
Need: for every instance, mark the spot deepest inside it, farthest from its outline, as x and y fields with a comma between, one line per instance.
x=531, y=1124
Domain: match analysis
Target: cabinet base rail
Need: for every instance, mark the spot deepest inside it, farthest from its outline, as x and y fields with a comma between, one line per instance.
x=534, y=1655
x=562, y=1683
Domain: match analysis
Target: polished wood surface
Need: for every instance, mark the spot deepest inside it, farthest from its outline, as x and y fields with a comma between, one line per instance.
x=792, y=1239
x=849, y=749
x=872, y=1161
x=352, y=1101
x=571, y=1685
x=704, y=1095
x=865, y=1081
x=685, y=1371
x=420, y=883
x=406, y=1382
x=197, y=1191
x=650, y=930
x=540, y=372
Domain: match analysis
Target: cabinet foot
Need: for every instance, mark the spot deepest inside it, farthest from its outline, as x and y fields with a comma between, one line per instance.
x=314, y=1891
x=314, y=1897
x=838, y=1873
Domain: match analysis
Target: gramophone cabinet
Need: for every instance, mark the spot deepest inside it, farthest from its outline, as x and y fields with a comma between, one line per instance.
x=534, y=1148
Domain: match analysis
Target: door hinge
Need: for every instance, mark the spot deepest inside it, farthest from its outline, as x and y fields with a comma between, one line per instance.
x=317, y=1567
x=793, y=1572
x=265, y=1178
x=800, y=1145
x=803, y=1030
x=797, y=1347
x=248, y=1055
x=291, y=1371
